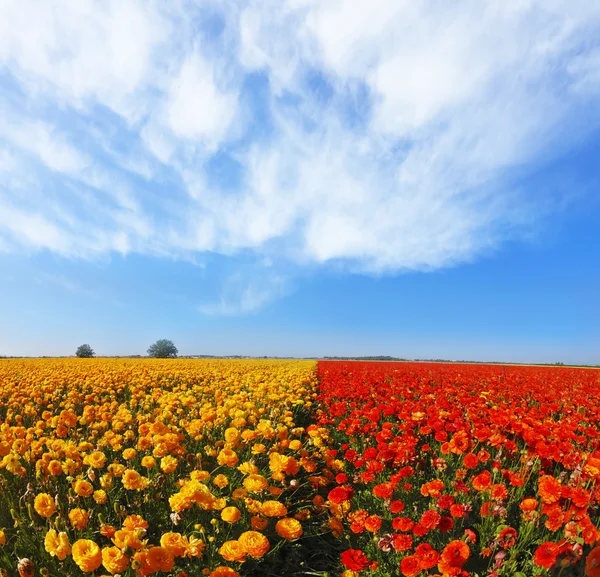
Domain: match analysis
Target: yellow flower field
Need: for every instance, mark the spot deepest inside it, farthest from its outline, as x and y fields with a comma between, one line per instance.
x=139, y=466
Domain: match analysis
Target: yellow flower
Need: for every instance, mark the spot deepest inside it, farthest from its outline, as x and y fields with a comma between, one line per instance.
x=129, y=454
x=231, y=435
x=273, y=509
x=114, y=560
x=255, y=543
x=83, y=488
x=168, y=464
x=289, y=528
x=233, y=551
x=221, y=481
x=79, y=518
x=55, y=468
x=87, y=555
x=44, y=505
x=57, y=544
x=255, y=483
x=2, y=537
x=100, y=496
x=227, y=457
x=230, y=514
x=127, y=538
x=248, y=468
x=97, y=460
x=148, y=462
x=175, y=543
x=132, y=480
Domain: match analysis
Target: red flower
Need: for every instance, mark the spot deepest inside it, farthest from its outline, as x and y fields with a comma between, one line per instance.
x=355, y=560
x=545, y=555
x=402, y=542
x=410, y=566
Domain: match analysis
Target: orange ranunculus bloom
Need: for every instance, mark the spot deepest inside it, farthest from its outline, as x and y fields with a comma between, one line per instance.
x=230, y=514
x=233, y=550
x=87, y=555
x=258, y=523
x=255, y=543
x=410, y=566
x=289, y=528
x=133, y=481
x=175, y=543
x=224, y=571
x=227, y=457
x=160, y=559
x=549, y=489
x=83, y=488
x=273, y=509
x=79, y=518
x=454, y=555
x=114, y=560
x=44, y=505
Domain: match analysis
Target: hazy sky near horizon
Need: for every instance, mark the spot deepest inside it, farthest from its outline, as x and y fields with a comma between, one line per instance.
x=301, y=177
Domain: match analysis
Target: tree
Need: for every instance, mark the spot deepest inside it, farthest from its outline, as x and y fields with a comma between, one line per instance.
x=163, y=349
x=85, y=352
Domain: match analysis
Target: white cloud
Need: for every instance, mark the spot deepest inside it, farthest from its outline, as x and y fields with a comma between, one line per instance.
x=196, y=108
x=382, y=136
x=242, y=295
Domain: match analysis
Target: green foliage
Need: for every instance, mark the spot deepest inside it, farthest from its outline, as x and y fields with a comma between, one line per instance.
x=162, y=349
x=85, y=352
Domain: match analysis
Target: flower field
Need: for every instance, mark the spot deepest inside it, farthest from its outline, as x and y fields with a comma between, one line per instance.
x=450, y=469
x=181, y=467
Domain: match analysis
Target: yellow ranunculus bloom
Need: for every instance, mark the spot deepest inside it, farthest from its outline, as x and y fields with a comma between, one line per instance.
x=87, y=555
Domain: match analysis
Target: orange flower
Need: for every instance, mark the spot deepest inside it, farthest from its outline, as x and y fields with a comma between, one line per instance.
x=114, y=560
x=483, y=481
x=289, y=528
x=230, y=514
x=273, y=509
x=79, y=518
x=132, y=522
x=549, y=489
x=227, y=457
x=175, y=543
x=133, y=481
x=373, y=523
x=258, y=523
x=44, y=505
x=233, y=551
x=224, y=572
x=160, y=559
x=528, y=504
x=454, y=555
x=255, y=543
x=410, y=566
x=83, y=488
x=87, y=555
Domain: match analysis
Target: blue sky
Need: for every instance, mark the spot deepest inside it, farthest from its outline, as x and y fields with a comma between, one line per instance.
x=301, y=177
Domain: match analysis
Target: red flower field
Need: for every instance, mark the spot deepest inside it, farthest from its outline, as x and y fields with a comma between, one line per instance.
x=452, y=469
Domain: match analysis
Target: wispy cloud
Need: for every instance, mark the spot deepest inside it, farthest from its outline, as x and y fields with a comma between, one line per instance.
x=382, y=137
x=240, y=295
